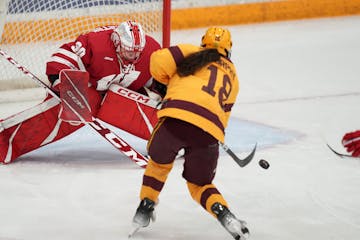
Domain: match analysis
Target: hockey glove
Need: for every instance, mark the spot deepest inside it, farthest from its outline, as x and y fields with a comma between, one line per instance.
x=351, y=141
x=55, y=82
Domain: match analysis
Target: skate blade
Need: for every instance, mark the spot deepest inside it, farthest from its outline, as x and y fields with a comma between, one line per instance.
x=133, y=231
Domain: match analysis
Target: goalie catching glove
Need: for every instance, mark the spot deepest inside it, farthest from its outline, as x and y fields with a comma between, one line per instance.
x=351, y=141
x=156, y=91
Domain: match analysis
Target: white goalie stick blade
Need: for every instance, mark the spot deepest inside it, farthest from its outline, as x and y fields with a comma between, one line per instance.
x=239, y=161
x=342, y=155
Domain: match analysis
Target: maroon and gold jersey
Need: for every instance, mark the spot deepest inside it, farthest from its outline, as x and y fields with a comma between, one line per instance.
x=204, y=98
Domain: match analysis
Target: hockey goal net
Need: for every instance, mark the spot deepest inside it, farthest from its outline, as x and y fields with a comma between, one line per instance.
x=31, y=30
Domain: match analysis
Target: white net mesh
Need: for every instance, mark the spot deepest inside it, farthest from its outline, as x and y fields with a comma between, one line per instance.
x=33, y=29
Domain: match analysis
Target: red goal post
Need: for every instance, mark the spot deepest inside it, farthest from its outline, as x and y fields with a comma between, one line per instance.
x=31, y=30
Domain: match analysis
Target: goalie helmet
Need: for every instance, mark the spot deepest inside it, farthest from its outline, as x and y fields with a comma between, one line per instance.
x=219, y=38
x=129, y=40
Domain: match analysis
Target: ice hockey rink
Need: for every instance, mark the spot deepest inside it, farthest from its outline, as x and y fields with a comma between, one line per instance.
x=300, y=89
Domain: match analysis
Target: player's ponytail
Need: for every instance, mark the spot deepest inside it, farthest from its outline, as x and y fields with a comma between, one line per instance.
x=197, y=60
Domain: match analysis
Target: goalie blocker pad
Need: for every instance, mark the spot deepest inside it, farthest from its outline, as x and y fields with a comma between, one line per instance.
x=74, y=96
x=129, y=110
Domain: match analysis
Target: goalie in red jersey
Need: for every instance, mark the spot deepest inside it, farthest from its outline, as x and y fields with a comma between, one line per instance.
x=116, y=61
x=351, y=141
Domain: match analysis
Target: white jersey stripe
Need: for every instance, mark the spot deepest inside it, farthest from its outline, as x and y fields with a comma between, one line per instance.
x=62, y=61
x=73, y=56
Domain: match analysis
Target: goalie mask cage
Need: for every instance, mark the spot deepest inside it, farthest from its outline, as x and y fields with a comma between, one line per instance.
x=31, y=30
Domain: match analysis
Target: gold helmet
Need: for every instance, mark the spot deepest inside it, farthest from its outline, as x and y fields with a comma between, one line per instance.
x=219, y=38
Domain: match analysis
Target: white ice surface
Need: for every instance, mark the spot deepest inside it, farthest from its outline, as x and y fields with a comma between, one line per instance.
x=300, y=88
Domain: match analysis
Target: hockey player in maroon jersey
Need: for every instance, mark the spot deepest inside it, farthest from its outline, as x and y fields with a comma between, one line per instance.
x=202, y=87
x=114, y=57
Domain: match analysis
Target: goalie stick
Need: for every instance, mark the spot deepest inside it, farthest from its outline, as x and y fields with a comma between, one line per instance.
x=110, y=136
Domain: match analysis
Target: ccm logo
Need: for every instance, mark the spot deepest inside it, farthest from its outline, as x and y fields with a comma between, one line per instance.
x=120, y=144
x=75, y=100
x=133, y=95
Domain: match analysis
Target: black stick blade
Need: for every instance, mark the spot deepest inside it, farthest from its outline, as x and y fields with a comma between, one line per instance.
x=342, y=155
x=239, y=161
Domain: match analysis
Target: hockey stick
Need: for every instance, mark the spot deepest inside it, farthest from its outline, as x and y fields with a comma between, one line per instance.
x=239, y=161
x=153, y=104
x=342, y=155
x=110, y=136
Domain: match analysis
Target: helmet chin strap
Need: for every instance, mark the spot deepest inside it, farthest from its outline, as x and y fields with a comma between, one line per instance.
x=125, y=67
x=124, y=62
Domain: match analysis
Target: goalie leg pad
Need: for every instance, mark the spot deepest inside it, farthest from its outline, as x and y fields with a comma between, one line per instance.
x=31, y=129
x=124, y=109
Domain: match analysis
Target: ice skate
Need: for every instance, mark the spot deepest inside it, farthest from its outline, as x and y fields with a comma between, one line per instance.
x=237, y=228
x=144, y=213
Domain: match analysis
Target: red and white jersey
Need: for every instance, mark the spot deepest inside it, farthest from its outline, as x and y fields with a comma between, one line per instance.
x=95, y=53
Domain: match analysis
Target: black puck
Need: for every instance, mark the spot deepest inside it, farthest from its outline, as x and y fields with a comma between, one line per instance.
x=264, y=164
